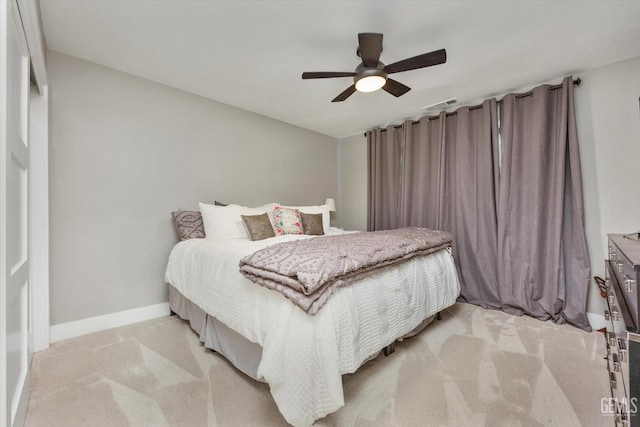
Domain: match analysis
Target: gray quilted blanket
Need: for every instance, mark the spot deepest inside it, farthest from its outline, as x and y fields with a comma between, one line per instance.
x=308, y=271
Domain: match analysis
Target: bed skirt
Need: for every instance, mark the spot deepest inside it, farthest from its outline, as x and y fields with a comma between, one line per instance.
x=215, y=335
x=242, y=353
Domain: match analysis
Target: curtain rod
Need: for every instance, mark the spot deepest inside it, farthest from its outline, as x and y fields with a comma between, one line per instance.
x=576, y=82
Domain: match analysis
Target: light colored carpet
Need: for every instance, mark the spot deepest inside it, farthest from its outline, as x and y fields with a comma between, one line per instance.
x=475, y=367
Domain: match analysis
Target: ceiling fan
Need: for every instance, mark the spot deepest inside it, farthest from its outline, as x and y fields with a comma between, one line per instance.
x=372, y=74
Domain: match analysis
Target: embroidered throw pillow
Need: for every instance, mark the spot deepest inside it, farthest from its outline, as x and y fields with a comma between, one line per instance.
x=258, y=226
x=312, y=224
x=188, y=224
x=286, y=221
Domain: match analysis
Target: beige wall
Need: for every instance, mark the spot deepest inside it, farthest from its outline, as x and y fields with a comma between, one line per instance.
x=352, y=205
x=608, y=117
x=125, y=152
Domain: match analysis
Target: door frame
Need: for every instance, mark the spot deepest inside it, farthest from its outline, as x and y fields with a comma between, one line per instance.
x=15, y=282
x=25, y=15
x=40, y=331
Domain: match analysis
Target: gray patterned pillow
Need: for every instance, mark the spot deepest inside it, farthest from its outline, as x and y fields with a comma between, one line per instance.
x=258, y=226
x=188, y=224
x=312, y=224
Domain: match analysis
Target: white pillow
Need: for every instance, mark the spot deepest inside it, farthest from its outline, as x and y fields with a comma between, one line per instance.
x=323, y=209
x=225, y=222
x=267, y=208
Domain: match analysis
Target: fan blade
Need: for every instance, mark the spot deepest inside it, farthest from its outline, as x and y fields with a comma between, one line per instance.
x=425, y=60
x=344, y=95
x=370, y=48
x=325, y=74
x=395, y=88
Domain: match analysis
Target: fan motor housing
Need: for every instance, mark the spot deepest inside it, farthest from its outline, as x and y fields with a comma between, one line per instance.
x=362, y=72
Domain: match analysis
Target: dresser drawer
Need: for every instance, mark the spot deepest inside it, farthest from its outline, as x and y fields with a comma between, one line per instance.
x=624, y=273
x=623, y=323
x=619, y=314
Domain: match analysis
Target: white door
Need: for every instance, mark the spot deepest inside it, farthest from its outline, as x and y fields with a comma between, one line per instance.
x=14, y=224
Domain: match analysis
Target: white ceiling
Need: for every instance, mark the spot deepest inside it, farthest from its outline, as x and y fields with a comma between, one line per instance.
x=250, y=54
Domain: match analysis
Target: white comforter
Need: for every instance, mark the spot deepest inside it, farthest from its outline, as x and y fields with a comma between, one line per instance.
x=305, y=356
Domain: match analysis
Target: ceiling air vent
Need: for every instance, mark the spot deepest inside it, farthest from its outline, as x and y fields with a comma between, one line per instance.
x=440, y=105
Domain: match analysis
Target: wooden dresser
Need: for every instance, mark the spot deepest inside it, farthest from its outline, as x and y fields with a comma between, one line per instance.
x=623, y=328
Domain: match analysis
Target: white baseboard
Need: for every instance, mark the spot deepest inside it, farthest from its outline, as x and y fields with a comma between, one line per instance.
x=76, y=328
x=597, y=321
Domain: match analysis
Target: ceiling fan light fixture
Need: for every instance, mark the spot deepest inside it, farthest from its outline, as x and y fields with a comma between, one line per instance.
x=372, y=73
x=370, y=83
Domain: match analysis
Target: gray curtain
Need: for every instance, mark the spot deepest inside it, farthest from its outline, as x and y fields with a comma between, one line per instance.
x=513, y=202
x=543, y=267
x=384, y=156
x=450, y=178
x=471, y=185
x=422, y=198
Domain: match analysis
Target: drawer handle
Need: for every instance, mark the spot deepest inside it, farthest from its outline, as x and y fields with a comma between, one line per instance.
x=612, y=380
x=622, y=344
x=611, y=337
x=613, y=256
x=620, y=266
x=615, y=314
x=624, y=417
x=607, y=284
x=606, y=315
x=611, y=297
x=616, y=363
x=629, y=283
x=622, y=350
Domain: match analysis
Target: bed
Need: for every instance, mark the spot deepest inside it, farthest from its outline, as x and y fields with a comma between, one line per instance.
x=302, y=357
